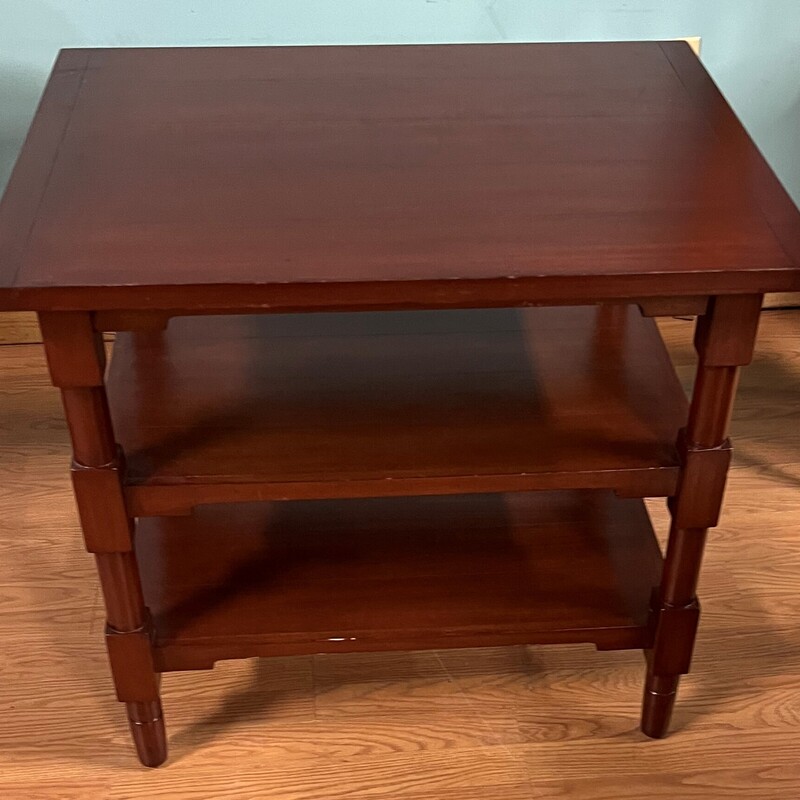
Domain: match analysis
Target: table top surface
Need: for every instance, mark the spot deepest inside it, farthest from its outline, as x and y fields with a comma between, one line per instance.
x=388, y=176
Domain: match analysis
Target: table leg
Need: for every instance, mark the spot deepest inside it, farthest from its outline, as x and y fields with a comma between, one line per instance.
x=76, y=360
x=724, y=341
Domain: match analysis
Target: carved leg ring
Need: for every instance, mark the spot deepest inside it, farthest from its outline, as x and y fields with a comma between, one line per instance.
x=149, y=735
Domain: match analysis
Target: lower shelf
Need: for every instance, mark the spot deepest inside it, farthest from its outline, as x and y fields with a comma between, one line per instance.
x=262, y=579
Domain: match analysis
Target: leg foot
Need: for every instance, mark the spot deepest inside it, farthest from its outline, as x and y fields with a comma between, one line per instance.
x=659, y=698
x=147, y=728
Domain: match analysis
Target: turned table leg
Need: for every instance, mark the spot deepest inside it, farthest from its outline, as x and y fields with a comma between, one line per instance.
x=76, y=360
x=724, y=341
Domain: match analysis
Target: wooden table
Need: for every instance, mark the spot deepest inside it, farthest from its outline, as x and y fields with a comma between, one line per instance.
x=466, y=470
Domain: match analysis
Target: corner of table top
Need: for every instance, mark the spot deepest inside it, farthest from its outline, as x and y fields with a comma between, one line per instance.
x=29, y=178
x=777, y=207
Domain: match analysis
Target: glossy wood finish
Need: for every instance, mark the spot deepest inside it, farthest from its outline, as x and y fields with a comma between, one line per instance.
x=31, y=175
x=736, y=146
x=724, y=341
x=146, y=721
x=76, y=359
x=172, y=182
x=236, y=581
x=144, y=320
x=346, y=405
x=509, y=723
x=385, y=177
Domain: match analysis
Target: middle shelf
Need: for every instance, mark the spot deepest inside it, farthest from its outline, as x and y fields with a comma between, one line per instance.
x=314, y=406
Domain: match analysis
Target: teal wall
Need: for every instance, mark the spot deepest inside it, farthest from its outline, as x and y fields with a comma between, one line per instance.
x=751, y=47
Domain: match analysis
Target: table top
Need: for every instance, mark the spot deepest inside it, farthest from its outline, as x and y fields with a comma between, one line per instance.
x=389, y=176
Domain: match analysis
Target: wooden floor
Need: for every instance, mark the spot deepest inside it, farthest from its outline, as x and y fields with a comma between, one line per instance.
x=503, y=724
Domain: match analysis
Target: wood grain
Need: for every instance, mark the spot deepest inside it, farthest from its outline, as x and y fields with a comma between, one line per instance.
x=782, y=300
x=398, y=573
x=391, y=176
x=515, y=723
x=19, y=327
x=404, y=403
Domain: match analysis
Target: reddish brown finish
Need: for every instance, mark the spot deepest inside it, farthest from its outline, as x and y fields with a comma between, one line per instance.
x=329, y=177
x=195, y=181
x=671, y=653
x=660, y=694
x=726, y=340
x=101, y=506
x=124, y=608
x=146, y=722
x=66, y=335
x=702, y=485
x=735, y=146
x=684, y=554
x=398, y=573
x=89, y=421
x=76, y=356
x=131, y=657
x=158, y=320
x=712, y=404
x=28, y=182
x=672, y=306
x=391, y=404
x=715, y=343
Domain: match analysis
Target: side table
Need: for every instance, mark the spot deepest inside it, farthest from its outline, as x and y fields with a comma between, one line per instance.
x=453, y=450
